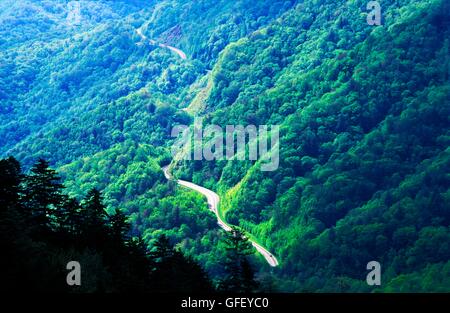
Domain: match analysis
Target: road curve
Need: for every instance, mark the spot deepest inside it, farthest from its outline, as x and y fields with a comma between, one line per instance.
x=152, y=42
x=213, y=202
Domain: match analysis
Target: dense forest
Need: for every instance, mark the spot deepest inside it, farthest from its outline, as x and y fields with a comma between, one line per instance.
x=364, y=167
x=364, y=150
x=42, y=229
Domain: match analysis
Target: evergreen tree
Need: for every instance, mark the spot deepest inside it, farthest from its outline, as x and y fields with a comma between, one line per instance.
x=173, y=272
x=111, y=260
x=249, y=284
x=10, y=190
x=119, y=227
x=239, y=274
x=162, y=249
x=43, y=195
x=10, y=180
x=71, y=220
x=14, y=243
x=94, y=214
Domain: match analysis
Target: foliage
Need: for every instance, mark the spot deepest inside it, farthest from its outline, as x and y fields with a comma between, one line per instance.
x=111, y=261
x=364, y=114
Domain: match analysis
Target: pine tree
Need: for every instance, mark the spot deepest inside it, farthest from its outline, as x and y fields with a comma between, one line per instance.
x=10, y=180
x=94, y=209
x=249, y=284
x=94, y=215
x=11, y=219
x=43, y=195
x=239, y=274
x=71, y=219
x=174, y=272
x=82, y=232
x=119, y=227
x=162, y=249
x=14, y=245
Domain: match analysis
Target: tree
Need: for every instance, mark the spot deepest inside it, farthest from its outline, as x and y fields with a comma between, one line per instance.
x=162, y=249
x=70, y=219
x=10, y=180
x=43, y=195
x=174, y=272
x=11, y=219
x=111, y=260
x=119, y=226
x=13, y=244
x=239, y=274
x=94, y=214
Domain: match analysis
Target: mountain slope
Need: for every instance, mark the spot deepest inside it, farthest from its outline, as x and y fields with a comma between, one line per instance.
x=364, y=119
x=364, y=115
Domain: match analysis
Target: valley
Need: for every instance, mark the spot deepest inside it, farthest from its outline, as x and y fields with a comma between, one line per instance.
x=361, y=109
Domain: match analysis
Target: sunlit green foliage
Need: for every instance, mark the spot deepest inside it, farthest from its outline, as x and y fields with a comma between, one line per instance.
x=364, y=114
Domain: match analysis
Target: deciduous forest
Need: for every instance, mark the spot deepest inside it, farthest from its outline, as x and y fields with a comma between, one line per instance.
x=87, y=109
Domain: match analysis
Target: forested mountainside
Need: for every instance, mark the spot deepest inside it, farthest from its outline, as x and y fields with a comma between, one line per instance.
x=364, y=113
x=44, y=232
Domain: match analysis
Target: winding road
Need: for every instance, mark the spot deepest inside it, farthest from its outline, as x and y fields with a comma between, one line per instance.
x=213, y=202
x=152, y=42
x=212, y=197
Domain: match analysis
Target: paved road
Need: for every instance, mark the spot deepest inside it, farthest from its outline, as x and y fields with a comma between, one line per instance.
x=213, y=202
x=152, y=42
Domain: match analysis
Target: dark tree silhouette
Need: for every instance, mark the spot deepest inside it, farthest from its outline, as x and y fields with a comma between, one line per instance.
x=65, y=230
x=12, y=226
x=43, y=195
x=173, y=272
x=94, y=229
x=10, y=180
x=162, y=249
x=119, y=226
x=71, y=219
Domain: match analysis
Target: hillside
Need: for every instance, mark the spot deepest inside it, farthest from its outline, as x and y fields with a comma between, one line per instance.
x=364, y=112
x=364, y=157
